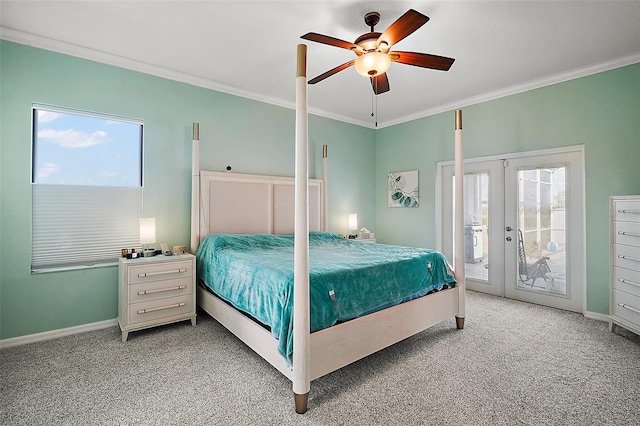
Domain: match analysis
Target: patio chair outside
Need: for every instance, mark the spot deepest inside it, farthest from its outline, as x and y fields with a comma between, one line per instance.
x=531, y=271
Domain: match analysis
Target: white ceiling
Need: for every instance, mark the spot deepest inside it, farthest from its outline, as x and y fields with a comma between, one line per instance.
x=248, y=48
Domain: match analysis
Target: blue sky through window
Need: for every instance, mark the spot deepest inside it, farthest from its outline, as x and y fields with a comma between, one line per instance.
x=75, y=149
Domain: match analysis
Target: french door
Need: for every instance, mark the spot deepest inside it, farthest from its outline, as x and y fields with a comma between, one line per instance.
x=523, y=226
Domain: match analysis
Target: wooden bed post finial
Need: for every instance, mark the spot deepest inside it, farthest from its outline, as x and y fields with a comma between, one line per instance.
x=196, y=131
x=301, y=69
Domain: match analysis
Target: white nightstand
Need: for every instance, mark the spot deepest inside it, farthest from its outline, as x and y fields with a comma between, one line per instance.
x=365, y=240
x=156, y=290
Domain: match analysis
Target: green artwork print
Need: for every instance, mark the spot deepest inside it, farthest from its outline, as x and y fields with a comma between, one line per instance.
x=403, y=189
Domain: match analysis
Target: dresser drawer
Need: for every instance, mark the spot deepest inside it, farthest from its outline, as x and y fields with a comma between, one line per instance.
x=626, y=280
x=160, y=308
x=626, y=257
x=160, y=289
x=626, y=306
x=627, y=233
x=627, y=210
x=160, y=271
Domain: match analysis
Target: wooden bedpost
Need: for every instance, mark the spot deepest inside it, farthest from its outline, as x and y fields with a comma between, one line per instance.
x=301, y=325
x=325, y=189
x=459, y=221
x=195, y=189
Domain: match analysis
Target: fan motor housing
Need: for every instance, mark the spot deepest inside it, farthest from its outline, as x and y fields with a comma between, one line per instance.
x=368, y=41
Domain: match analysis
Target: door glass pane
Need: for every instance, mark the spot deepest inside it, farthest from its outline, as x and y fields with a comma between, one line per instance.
x=476, y=225
x=541, y=230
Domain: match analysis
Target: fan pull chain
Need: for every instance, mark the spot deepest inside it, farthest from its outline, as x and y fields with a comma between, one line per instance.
x=376, y=110
x=372, y=114
x=374, y=100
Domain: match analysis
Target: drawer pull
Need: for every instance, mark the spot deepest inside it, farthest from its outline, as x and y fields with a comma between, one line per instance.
x=622, y=305
x=160, y=308
x=151, y=274
x=622, y=280
x=629, y=211
x=160, y=290
x=631, y=234
x=621, y=256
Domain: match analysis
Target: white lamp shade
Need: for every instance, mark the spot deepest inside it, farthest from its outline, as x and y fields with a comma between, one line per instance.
x=372, y=63
x=353, y=221
x=147, y=230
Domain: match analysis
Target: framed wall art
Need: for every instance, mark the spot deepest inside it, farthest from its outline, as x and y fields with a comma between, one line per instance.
x=403, y=189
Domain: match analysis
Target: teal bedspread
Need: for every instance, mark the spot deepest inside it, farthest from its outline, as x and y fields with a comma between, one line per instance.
x=348, y=279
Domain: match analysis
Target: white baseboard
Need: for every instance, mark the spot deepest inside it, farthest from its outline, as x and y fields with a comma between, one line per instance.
x=596, y=316
x=54, y=334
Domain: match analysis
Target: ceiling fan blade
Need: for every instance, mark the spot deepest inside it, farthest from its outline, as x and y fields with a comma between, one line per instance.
x=423, y=60
x=331, y=72
x=331, y=41
x=402, y=27
x=380, y=83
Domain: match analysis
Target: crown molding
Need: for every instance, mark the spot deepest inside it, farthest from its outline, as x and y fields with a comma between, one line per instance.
x=78, y=51
x=94, y=55
x=520, y=88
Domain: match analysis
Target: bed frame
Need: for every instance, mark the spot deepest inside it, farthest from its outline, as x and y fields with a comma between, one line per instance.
x=285, y=205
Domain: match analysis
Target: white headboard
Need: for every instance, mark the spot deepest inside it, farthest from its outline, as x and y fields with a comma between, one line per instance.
x=236, y=203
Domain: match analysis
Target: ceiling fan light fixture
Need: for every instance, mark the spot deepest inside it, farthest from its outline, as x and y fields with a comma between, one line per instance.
x=372, y=63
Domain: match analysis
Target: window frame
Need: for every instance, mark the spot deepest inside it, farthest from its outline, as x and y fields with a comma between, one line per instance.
x=132, y=193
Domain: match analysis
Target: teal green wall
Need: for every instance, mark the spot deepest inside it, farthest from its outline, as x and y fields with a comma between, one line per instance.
x=601, y=112
x=252, y=137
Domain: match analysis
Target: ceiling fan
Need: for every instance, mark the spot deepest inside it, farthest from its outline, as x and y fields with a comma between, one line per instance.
x=374, y=50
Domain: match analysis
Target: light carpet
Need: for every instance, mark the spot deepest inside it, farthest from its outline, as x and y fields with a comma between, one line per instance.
x=514, y=364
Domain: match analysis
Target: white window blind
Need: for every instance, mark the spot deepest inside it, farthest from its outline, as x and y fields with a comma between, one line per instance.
x=76, y=226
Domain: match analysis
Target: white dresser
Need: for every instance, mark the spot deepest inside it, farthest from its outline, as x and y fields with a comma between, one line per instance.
x=625, y=263
x=156, y=290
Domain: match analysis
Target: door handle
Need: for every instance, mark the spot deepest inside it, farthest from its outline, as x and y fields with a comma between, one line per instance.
x=509, y=229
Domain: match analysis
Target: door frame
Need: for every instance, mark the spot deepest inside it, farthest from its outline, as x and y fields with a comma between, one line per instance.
x=580, y=214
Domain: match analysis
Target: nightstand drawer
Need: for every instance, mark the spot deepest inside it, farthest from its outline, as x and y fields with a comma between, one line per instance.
x=160, y=271
x=626, y=306
x=627, y=233
x=160, y=289
x=626, y=257
x=160, y=308
x=628, y=210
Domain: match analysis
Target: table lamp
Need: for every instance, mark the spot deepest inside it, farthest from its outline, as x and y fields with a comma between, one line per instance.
x=353, y=225
x=147, y=235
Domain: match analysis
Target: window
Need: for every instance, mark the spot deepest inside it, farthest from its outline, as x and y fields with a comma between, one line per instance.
x=86, y=188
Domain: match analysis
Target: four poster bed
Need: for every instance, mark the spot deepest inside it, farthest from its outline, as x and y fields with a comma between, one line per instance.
x=285, y=218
